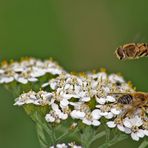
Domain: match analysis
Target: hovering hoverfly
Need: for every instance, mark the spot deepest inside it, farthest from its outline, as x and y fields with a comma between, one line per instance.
x=132, y=51
x=132, y=101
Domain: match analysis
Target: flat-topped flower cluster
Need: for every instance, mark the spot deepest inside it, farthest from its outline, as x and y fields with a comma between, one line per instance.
x=87, y=97
x=28, y=70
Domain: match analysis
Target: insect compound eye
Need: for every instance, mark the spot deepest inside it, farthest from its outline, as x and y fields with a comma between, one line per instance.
x=120, y=53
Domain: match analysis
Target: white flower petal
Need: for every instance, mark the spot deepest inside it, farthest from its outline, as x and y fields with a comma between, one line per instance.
x=6, y=79
x=86, y=121
x=111, y=124
x=127, y=123
x=53, y=85
x=45, y=85
x=64, y=102
x=145, y=132
x=103, y=113
x=77, y=114
x=1, y=71
x=96, y=114
x=96, y=123
x=86, y=99
x=36, y=72
x=101, y=100
x=134, y=136
x=120, y=127
x=115, y=111
x=22, y=80
x=55, y=107
x=63, y=116
x=115, y=78
x=109, y=115
x=140, y=133
x=67, y=86
x=49, y=118
x=110, y=99
x=32, y=79
x=127, y=130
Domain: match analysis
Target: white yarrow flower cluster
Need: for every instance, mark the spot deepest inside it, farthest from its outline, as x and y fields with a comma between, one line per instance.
x=40, y=98
x=136, y=126
x=28, y=70
x=87, y=97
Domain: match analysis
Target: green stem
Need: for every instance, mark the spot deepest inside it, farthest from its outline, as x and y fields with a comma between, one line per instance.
x=53, y=136
x=41, y=136
x=107, y=130
x=86, y=134
x=49, y=132
x=144, y=144
x=43, y=127
x=62, y=136
x=97, y=136
x=67, y=133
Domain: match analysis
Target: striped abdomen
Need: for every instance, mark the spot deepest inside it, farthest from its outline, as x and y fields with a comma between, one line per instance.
x=125, y=99
x=143, y=50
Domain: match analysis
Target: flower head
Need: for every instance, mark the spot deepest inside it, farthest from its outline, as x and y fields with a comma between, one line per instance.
x=88, y=98
x=28, y=70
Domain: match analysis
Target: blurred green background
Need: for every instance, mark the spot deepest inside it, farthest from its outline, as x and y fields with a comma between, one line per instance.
x=80, y=35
